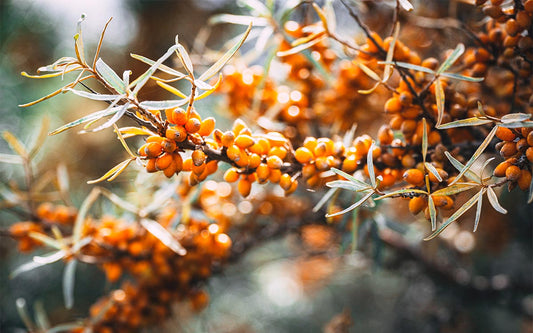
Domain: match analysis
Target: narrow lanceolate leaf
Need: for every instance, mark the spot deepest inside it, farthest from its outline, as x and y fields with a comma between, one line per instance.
x=217, y=66
x=408, y=66
x=510, y=118
x=43, y=133
x=517, y=124
x=329, y=13
x=163, y=68
x=256, y=6
x=128, y=132
x=456, y=188
x=57, y=65
x=50, y=258
x=50, y=75
x=94, y=97
x=82, y=214
x=432, y=213
x=347, y=185
x=459, y=166
x=354, y=206
x=478, y=208
x=171, y=89
x=113, y=172
x=299, y=48
x=433, y=171
x=202, y=85
x=68, y=283
x=322, y=15
x=474, y=121
x=80, y=51
x=11, y=159
x=458, y=213
x=493, y=199
x=530, y=195
x=439, y=98
x=25, y=268
x=15, y=144
x=124, y=204
x=40, y=316
x=185, y=59
x=122, y=110
x=50, y=95
x=402, y=192
x=373, y=75
x=110, y=77
x=141, y=80
x=164, y=236
x=370, y=165
x=462, y=77
x=123, y=142
x=210, y=91
x=24, y=315
x=159, y=105
x=69, y=327
x=238, y=19
x=459, y=50
x=424, y=140
x=329, y=194
x=92, y=117
x=390, y=53
x=350, y=178
x=478, y=152
x=406, y=5
x=45, y=240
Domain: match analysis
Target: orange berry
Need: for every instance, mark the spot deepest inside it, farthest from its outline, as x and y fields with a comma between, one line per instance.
x=499, y=171
x=292, y=188
x=179, y=117
x=163, y=161
x=243, y=160
x=303, y=155
x=170, y=170
x=385, y=135
x=177, y=133
x=244, y=141
x=417, y=204
x=233, y=152
x=198, y=157
x=253, y=161
x=505, y=134
x=227, y=138
x=187, y=164
x=524, y=180
x=262, y=172
x=274, y=162
x=231, y=175
x=238, y=126
x=178, y=161
x=285, y=181
x=393, y=105
x=275, y=175
x=244, y=187
x=310, y=143
x=168, y=145
x=279, y=151
x=193, y=125
x=443, y=174
x=153, y=149
x=207, y=126
x=150, y=165
x=529, y=154
x=513, y=173
x=113, y=271
x=414, y=177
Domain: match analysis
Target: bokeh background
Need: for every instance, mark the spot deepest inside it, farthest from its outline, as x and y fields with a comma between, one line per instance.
x=477, y=283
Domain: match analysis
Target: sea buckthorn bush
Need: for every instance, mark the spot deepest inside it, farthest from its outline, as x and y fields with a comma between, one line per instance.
x=323, y=128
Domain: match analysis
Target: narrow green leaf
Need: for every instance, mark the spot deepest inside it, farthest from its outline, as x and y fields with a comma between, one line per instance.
x=478, y=152
x=347, y=185
x=50, y=257
x=256, y=6
x=462, y=77
x=238, y=19
x=518, y=124
x=159, y=232
x=329, y=13
x=369, y=91
x=89, y=118
x=459, y=50
x=474, y=121
x=113, y=172
x=217, y=66
x=43, y=133
x=432, y=213
x=406, y=191
x=433, y=171
x=24, y=315
x=110, y=77
x=11, y=159
x=459, y=166
x=350, y=178
x=493, y=199
x=185, y=59
x=210, y=91
x=408, y=66
x=63, y=178
x=299, y=48
x=45, y=239
x=142, y=79
x=172, y=89
x=82, y=214
x=390, y=53
x=124, y=204
x=25, y=268
x=15, y=144
x=160, y=105
x=456, y=188
x=458, y=213
x=373, y=75
x=202, y=85
x=94, y=97
x=406, y=5
x=80, y=51
x=513, y=117
x=478, y=208
x=424, y=140
x=68, y=283
x=66, y=327
x=179, y=75
x=530, y=194
x=122, y=110
x=370, y=165
x=324, y=199
x=439, y=98
x=354, y=206
x=40, y=316
x=322, y=16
